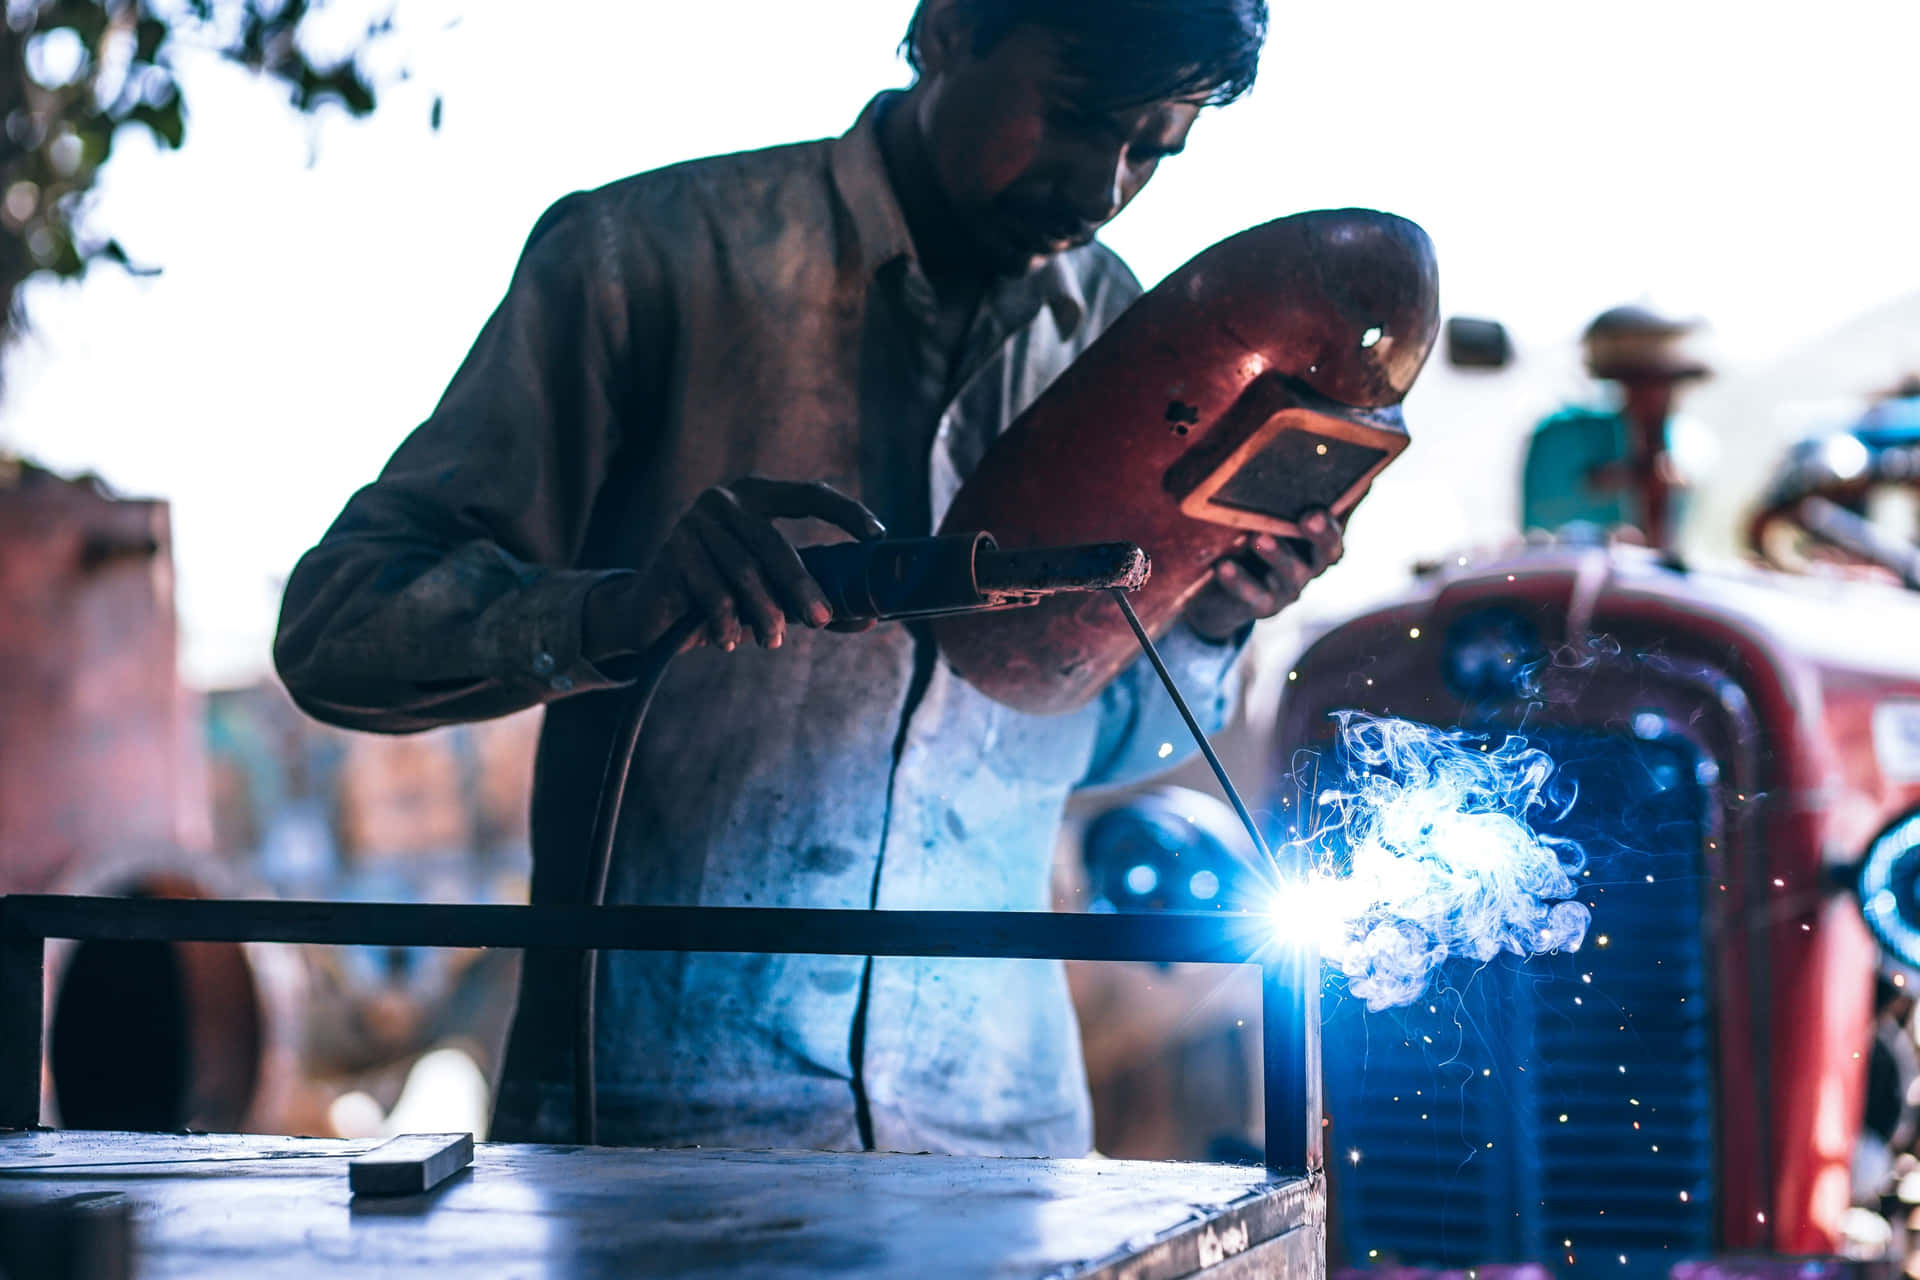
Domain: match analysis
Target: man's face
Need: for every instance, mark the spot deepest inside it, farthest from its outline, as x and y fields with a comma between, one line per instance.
x=1027, y=165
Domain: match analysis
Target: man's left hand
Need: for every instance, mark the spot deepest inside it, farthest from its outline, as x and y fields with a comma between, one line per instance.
x=1264, y=576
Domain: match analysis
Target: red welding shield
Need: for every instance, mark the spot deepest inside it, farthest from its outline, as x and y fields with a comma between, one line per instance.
x=1260, y=381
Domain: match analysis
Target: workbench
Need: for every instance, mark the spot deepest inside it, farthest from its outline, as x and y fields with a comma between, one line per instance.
x=274, y=1206
x=262, y=1206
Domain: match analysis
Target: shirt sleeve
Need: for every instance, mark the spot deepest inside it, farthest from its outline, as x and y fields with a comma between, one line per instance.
x=447, y=590
x=1140, y=731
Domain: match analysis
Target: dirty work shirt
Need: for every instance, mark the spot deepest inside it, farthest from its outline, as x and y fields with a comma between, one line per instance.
x=751, y=314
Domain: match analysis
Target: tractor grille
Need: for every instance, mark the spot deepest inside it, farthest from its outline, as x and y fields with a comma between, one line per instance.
x=1520, y=1106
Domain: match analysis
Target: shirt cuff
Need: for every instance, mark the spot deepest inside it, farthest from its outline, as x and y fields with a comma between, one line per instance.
x=541, y=644
x=1192, y=657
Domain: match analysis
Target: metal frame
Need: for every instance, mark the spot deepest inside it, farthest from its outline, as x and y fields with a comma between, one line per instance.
x=1290, y=974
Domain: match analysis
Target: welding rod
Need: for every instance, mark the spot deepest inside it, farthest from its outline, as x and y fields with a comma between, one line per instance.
x=1193, y=726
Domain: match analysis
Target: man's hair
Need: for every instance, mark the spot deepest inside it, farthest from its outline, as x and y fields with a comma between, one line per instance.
x=1132, y=52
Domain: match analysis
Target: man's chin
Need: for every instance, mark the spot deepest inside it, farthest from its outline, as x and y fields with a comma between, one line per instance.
x=1014, y=259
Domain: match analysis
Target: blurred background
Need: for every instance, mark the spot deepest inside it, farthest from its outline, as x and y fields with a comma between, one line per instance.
x=226, y=324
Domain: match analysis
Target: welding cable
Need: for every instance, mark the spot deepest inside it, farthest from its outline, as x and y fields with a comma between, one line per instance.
x=1193, y=726
x=650, y=669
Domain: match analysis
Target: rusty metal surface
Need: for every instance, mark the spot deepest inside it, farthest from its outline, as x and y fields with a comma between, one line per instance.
x=91, y=731
x=1317, y=322
x=576, y=1212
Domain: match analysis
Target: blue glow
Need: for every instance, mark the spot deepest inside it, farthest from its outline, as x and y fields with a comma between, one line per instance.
x=1204, y=885
x=1142, y=879
x=1889, y=874
x=1424, y=849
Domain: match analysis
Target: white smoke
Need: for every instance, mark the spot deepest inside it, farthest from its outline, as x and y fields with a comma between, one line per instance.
x=1424, y=850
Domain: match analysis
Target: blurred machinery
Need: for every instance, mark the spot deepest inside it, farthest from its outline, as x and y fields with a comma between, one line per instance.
x=101, y=792
x=1746, y=747
x=1692, y=1079
x=114, y=780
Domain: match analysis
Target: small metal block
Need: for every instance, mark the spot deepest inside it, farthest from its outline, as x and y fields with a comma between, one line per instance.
x=410, y=1164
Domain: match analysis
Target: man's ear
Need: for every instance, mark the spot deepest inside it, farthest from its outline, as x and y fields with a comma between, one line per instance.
x=943, y=37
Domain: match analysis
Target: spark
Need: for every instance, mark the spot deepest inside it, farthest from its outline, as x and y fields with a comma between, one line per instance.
x=1426, y=852
x=1166, y=749
x=1353, y=1156
x=1684, y=1197
x=1778, y=883
x=1563, y=1117
x=1413, y=633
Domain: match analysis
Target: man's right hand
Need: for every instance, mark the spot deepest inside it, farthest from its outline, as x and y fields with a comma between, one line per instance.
x=726, y=561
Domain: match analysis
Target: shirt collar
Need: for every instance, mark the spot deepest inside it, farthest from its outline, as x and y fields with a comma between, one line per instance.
x=881, y=237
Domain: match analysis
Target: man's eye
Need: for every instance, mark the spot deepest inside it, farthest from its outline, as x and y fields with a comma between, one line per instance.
x=1068, y=120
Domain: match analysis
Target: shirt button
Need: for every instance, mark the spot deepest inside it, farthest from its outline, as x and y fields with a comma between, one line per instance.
x=543, y=664
x=561, y=684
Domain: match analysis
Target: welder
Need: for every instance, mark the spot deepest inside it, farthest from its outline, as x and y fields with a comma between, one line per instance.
x=831, y=333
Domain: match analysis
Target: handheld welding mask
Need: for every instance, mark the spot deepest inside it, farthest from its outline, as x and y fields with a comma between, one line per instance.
x=1260, y=381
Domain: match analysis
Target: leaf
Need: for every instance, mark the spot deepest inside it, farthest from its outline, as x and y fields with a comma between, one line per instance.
x=149, y=33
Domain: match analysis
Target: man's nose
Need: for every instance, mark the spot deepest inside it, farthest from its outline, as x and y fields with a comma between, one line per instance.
x=1096, y=189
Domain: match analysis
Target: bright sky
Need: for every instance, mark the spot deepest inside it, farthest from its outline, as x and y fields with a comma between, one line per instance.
x=1752, y=163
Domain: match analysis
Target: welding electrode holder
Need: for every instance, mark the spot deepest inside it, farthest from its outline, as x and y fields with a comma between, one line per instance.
x=882, y=580
x=892, y=579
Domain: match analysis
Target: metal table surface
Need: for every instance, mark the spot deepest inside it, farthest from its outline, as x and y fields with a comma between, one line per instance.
x=602, y=1211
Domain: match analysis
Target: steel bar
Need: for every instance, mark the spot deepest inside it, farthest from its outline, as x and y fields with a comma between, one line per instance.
x=1197, y=937
x=1290, y=1061
x=22, y=1022
x=1290, y=977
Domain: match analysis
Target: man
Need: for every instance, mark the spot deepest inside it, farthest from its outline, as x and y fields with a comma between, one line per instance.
x=857, y=319
x=1624, y=468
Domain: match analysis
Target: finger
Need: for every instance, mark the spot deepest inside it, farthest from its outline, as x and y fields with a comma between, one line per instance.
x=1325, y=545
x=1259, y=598
x=752, y=600
x=1280, y=564
x=1277, y=562
x=706, y=586
x=788, y=500
x=780, y=565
